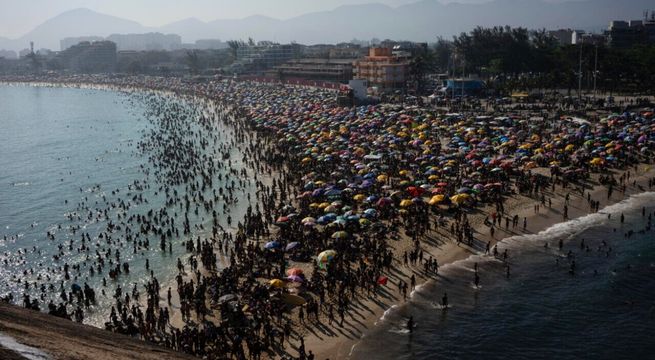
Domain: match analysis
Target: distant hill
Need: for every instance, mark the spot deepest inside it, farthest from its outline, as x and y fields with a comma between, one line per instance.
x=192, y=28
x=78, y=22
x=420, y=21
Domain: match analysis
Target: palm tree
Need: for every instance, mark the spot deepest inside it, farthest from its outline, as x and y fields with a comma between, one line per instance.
x=420, y=65
x=234, y=47
x=35, y=63
x=193, y=61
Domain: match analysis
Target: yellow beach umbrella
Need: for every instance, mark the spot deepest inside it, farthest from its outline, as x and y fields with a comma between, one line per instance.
x=596, y=161
x=329, y=209
x=436, y=199
x=406, y=203
x=459, y=198
x=277, y=283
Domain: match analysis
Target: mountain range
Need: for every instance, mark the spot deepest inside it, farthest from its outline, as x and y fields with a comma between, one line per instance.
x=421, y=21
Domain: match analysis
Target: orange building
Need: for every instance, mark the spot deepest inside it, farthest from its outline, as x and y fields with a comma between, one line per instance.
x=382, y=69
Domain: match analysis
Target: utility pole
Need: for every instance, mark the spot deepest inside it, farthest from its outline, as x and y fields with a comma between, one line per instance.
x=595, y=69
x=463, y=75
x=580, y=74
x=452, y=98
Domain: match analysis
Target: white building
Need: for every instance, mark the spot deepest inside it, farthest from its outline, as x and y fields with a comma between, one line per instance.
x=563, y=36
x=148, y=41
x=71, y=41
x=360, y=87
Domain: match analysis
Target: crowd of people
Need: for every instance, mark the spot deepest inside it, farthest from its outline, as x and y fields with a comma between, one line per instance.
x=336, y=190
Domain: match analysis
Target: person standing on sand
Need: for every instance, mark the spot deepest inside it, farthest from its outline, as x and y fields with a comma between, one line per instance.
x=301, y=349
x=341, y=316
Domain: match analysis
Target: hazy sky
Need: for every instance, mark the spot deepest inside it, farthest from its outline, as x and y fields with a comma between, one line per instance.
x=20, y=16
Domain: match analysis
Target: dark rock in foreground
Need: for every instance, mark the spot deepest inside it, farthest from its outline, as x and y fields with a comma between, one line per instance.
x=63, y=339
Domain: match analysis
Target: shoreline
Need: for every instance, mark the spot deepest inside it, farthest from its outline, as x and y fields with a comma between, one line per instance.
x=334, y=342
x=222, y=114
x=450, y=253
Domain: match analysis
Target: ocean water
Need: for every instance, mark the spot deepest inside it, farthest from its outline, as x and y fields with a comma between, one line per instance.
x=606, y=310
x=62, y=146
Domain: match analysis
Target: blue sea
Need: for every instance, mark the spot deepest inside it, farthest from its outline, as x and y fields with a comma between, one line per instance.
x=605, y=310
x=60, y=147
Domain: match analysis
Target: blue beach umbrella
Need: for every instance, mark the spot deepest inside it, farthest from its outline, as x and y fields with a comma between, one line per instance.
x=272, y=245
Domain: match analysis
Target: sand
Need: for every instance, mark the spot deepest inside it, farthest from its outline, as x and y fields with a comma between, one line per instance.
x=334, y=342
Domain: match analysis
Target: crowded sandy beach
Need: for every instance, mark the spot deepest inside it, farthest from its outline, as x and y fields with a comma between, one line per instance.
x=354, y=207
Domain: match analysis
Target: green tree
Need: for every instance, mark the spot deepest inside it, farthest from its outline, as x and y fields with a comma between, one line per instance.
x=442, y=53
x=421, y=64
x=135, y=67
